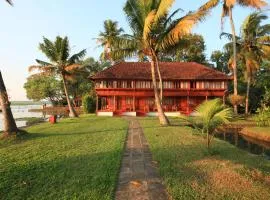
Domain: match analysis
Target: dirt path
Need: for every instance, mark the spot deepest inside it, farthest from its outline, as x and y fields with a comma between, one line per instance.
x=138, y=178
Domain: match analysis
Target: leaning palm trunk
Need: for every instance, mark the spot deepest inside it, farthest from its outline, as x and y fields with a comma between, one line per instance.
x=9, y=125
x=72, y=112
x=160, y=81
x=247, y=95
x=162, y=118
x=235, y=91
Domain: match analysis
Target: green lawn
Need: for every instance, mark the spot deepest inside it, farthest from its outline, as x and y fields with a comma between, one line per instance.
x=190, y=172
x=74, y=159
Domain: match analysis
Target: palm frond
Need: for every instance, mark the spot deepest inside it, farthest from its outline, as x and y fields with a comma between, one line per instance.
x=43, y=63
x=186, y=23
x=76, y=57
x=163, y=9
x=252, y=3
x=9, y=2
x=147, y=24
x=47, y=69
x=48, y=48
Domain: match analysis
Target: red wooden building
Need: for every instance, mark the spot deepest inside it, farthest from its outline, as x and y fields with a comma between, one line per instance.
x=126, y=88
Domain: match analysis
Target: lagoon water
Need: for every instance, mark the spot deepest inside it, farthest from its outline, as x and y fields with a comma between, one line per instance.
x=21, y=112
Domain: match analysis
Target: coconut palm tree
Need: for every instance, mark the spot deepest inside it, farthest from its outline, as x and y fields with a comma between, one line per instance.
x=210, y=115
x=227, y=12
x=60, y=63
x=253, y=46
x=111, y=31
x=9, y=125
x=155, y=32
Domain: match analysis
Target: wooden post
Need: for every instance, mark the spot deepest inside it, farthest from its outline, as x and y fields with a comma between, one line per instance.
x=206, y=98
x=187, y=104
x=97, y=104
x=134, y=104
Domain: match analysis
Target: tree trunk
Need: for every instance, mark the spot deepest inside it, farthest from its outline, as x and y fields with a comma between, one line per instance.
x=162, y=118
x=160, y=81
x=235, y=87
x=9, y=125
x=247, y=95
x=72, y=112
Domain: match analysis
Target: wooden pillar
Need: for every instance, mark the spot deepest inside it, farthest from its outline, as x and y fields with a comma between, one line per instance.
x=188, y=104
x=97, y=104
x=114, y=103
x=134, y=104
x=206, y=98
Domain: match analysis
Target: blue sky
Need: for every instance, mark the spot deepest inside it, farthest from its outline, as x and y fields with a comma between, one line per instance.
x=23, y=26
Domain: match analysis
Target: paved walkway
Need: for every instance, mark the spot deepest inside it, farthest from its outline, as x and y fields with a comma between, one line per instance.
x=138, y=178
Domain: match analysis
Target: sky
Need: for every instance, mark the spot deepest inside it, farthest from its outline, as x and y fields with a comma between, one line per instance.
x=23, y=26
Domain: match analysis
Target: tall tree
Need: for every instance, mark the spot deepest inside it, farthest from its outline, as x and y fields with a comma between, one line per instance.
x=111, y=31
x=40, y=87
x=192, y=50
x=253, y=46
x=227, y=12
x=221, y=59
x=60, y=63
x=155, y=32
x=9, y=125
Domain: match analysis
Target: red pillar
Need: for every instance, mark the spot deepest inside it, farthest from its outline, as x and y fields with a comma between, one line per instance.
x=97, y=104
x=114, y=103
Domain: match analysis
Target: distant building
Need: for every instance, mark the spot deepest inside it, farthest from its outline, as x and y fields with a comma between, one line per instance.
x=126, y=88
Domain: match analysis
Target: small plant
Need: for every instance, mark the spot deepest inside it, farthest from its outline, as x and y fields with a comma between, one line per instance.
x=210, y=115
x=263, y=116
x=89, y=105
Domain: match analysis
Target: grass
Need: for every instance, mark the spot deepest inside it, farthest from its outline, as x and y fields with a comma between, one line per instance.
x=191, y=172
x=74, y=159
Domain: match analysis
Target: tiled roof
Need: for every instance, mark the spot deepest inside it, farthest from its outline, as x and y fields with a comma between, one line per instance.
x=169, y=71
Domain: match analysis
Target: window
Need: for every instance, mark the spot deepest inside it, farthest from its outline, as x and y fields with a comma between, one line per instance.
x=184, y=84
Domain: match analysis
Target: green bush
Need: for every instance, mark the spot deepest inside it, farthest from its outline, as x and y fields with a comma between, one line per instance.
x=89, y=105
x=263, y=116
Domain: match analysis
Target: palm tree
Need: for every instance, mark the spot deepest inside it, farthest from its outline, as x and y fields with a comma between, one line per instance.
x=111, y=31
x=155, y=32
x=210, y=115
x=253, y=46
x=227, y=11
x=9, y=125
x=60, y=63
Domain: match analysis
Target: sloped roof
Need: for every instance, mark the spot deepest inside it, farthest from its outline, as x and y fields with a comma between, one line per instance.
x=169, y=71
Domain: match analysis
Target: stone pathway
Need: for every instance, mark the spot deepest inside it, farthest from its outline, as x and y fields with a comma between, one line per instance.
x=138, y=178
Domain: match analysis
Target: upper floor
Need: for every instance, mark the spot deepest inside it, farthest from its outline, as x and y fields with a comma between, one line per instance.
x=185, y=85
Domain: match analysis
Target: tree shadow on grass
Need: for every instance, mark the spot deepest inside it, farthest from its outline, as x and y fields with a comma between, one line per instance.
x=193, y=168
x=90, y=176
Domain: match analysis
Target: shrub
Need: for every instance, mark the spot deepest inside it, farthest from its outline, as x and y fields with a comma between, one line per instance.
x=236, y=99
x=89, y=105
x=263, y=116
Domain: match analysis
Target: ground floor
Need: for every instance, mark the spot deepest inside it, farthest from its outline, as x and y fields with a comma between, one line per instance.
x=145, y=106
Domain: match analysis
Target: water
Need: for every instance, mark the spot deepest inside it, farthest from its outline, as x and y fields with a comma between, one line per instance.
x=23, y=111
x=249, y=144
